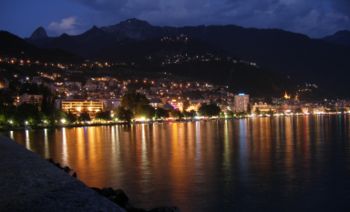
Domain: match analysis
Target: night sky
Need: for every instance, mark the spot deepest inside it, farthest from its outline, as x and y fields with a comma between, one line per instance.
x=313, y=17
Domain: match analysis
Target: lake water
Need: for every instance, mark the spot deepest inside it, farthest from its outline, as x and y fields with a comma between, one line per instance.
x=263, y=164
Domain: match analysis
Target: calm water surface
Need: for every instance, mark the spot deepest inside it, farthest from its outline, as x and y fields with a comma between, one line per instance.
x=263, y=164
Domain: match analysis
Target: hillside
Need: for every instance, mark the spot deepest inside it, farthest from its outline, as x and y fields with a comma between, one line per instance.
x=11, y=45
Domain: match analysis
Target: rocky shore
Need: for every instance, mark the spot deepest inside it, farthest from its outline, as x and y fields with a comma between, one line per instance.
x=117, y=196
x=30, y=183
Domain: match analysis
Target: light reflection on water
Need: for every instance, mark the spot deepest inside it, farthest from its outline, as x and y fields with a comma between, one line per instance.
x=282, y=164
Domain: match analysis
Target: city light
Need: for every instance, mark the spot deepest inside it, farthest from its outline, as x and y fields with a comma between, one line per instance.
x=63, y=121
x=141, y=119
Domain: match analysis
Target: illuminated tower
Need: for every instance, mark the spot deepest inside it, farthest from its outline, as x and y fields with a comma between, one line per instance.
x=241, y=103
x=286, y=96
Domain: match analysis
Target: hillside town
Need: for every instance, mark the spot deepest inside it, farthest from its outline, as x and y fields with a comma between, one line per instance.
x=86, y=94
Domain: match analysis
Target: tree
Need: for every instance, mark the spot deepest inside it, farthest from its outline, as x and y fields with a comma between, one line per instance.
x=138, y=104
x=176, y=114
x=229, y=114
x=161, y=113
x=209, y=110
x=27, y=114
x=145, y=111
x=124, y=114
x=44, y=119
x=84, y=117
x=71, y=118
x=5, y=98
x=7, y=113
x=104, y=115
x=298, y=110
x=3, y=120
x=131, y=101
x=57, y=116
x=190, y=114
x=257, y=111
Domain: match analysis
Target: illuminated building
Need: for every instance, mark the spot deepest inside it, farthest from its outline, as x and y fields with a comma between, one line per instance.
x=193, y=107
x=177, y=105
x=241, y=103
x=286, y=96
x=78, y=106
x=156, y=103
x=29, y=99
x=262, y=108
x=3, y=83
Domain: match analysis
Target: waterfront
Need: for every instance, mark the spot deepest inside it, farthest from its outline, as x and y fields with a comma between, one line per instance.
x=275, y=164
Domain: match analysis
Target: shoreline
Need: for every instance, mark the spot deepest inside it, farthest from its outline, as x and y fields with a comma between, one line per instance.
x=9, y=128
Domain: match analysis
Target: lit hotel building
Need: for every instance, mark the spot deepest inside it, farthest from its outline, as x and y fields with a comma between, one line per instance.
x=241, y=103
x=77, y=106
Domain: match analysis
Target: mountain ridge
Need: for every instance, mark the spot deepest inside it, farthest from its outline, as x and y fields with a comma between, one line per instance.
x=288, y=53
x=12, y=45
x=341, y=38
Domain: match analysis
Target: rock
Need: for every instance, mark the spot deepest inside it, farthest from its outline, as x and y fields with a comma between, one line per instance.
x=165, y=209
x=136, y=210
x=120, y=198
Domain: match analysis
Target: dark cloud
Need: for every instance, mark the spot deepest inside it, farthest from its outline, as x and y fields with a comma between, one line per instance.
x=314, y=17
x=341, y=5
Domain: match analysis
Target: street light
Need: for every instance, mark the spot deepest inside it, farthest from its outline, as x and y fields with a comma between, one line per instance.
x=63, y=121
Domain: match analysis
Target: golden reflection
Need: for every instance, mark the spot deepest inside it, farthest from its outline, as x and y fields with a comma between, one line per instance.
x=189, y=139
x=181, y=159
x=289, y=144
x=46, y=144
x=11, y=135
x=144, y=146
x=227, y=160
x=155, y=143
x=27, y=140
x=198, y=140
x=115, y=142
x=81, y=147
x=92, y=146
x=179, y=163
x=64, y=147
x=226, y=146
x=306, y=141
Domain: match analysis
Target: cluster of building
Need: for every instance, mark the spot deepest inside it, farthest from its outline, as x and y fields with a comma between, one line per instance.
x=97, y=92
x=63, y=66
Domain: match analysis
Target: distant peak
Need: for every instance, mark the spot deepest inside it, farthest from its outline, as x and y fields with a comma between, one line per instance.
x=94, y=29
x=39, y=33
x=134, y=22
x=342, y=32
x=64, y=35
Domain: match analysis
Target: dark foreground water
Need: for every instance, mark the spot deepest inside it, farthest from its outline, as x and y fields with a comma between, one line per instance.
x=263, y=164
